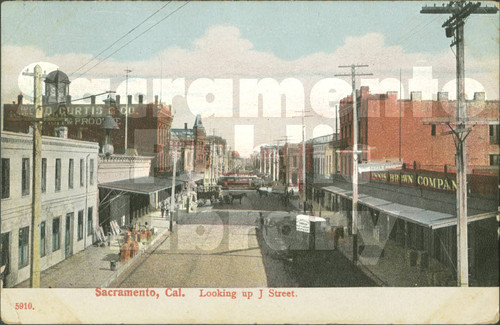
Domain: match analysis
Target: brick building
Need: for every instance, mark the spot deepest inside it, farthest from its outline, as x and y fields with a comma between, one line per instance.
x=148, y=123
x=394, y=130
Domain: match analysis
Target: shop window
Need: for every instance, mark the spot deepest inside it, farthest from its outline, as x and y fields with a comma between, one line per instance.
x=24, y=234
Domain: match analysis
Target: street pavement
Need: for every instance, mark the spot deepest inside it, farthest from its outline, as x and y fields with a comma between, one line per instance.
x=225, y=247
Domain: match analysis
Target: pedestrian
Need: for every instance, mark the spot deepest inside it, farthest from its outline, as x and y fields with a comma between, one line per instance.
x=162, y=207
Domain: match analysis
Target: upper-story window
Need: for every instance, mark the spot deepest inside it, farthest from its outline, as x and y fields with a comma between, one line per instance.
x=58, y=175
x=25, y=177
x=44, y=175
x=70, y=173
x=5, y=178
x=82, y=172
x=495, y=134
x=91, y=172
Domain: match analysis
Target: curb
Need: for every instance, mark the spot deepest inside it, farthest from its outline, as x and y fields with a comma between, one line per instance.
x=123, y=268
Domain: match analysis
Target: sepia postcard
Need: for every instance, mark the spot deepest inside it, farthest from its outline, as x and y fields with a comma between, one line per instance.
x=250, y=162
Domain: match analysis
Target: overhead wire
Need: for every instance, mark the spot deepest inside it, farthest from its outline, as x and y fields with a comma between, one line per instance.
x=122, y=37
x=136, y=37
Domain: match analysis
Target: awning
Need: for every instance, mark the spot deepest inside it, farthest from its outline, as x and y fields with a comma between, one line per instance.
x=423, y=217
x=143, y=185
x=189, y=177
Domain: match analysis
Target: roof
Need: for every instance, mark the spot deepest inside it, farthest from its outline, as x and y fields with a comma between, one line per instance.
x=197, y=122
x=143, y=185
x=57, y=76
x=182, y=133
x=189, y=177
x=423, y=217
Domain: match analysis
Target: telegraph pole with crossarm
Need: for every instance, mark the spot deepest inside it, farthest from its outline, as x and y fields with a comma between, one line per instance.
x=454, y=27
x=36, y=206
x=355, y=154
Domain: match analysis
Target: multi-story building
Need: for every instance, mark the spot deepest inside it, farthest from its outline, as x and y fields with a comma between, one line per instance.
x=69, y=214
x=403, y=130
x=197, y=152
x=148, y=124
x=413, y=209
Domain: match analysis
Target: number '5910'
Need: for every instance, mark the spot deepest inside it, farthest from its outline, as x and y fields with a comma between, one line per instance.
x=23, y=305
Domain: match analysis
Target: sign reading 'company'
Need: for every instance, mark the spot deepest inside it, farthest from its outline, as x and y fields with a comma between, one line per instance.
x=436, y=182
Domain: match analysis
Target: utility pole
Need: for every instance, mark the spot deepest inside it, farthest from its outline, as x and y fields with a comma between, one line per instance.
x=355, y=154
x=127, y=71
x=36, y=205
x=172, y=193
x=454, y=27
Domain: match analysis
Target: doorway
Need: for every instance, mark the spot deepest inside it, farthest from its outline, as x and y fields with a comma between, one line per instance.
x=68, y=235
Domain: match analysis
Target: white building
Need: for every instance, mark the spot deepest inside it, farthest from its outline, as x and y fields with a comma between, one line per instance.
x=69, y=201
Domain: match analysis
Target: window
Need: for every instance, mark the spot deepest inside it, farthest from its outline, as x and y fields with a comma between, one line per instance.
x=25, y=182
x=24, y=234
x=495, y=134
x=82, y=172
x=433, y=129
x=70, y=173
x=5, y=178
x=42, y=239
x=56, y=243
x=80, y=225
x=89, y=222
x=91, y=172
x=44, y=175
x=494, y=160
x=58, y=175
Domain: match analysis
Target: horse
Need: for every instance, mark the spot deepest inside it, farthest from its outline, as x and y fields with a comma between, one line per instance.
x=262, y=192
x=237, y=196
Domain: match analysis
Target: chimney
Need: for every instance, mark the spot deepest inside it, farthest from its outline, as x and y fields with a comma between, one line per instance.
x=92, y=99
x=392, y=95
x=185, y=126
x=117, y=98
x=442, y=95
x=364, y=91
x=479, y=97
x=20, y=99
x=416, y=96
x=156, y=99
x=141, y=97
x=129, y=99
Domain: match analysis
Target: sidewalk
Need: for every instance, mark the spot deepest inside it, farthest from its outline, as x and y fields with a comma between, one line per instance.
x=386, y=263
x=90, y=268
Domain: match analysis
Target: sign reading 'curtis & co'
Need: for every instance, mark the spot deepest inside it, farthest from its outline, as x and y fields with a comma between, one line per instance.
x=443, y=182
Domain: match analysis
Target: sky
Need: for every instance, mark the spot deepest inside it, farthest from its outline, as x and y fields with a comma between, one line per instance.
x=306, y=41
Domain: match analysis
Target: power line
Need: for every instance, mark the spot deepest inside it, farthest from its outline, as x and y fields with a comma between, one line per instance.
x=124, y=35
x=101, y=61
